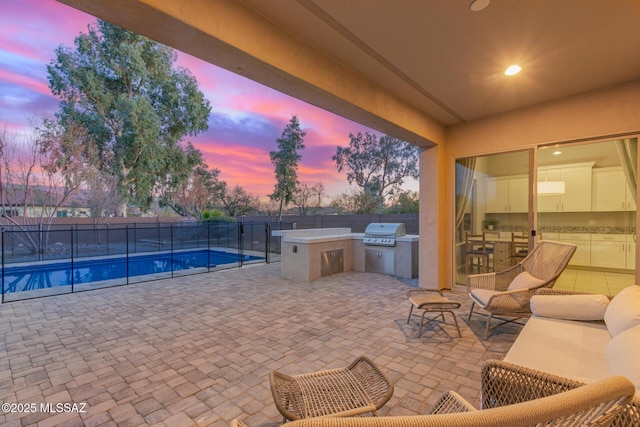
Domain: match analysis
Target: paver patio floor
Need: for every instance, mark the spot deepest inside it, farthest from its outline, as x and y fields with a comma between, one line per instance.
x=197, y=350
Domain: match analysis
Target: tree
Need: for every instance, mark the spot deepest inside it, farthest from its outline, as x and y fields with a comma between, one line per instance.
x=308, y=197
x=36, y=179
x=355, y=202
x=122, y=88
x=193, y=188
x=405, y=201
x=285, y=160
x=237, y=202
x=377, y=166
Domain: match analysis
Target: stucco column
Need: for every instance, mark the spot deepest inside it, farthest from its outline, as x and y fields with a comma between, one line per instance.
x=433, y=214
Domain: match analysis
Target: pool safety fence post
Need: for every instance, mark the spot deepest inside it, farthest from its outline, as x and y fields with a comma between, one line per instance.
x=108, y=239
x=126, y=245
x=73, y=278
x=240, y=241
x=171, y=242
x=2, y=243
x=77, y=241
x=135, y=239
x=267, y=241
x=208, y=247
x=40, y=243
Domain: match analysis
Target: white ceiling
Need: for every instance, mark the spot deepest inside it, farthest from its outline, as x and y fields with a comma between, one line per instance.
x=449, y=61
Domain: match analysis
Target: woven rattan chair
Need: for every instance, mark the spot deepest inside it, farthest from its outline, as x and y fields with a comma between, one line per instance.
x=359, y=388
x=506, y=384
x=538, y=400
x=496, y=293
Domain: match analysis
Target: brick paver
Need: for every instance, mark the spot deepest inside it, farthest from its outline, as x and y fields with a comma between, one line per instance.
x=197, y=350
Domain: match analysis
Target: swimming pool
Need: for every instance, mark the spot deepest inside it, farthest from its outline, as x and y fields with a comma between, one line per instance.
x=50, y=275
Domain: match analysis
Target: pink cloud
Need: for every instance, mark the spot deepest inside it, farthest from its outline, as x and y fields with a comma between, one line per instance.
x=28, y=82
x=246, y=120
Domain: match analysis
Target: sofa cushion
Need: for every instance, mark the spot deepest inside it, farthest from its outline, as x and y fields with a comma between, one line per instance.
x=525, y=280
x=622, y=355
x=567, y=348
x=623, y=311
x=570, y=307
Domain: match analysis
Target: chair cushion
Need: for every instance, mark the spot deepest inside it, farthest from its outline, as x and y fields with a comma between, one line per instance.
x=622, y=355
x=525, y=280
x=623, y=311
x=482, y=297
x=570, y=307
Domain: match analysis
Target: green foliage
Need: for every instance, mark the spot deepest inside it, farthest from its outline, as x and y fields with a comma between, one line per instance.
x=404, y=201
x=216, y=216
x=285, y=160
x=123, y=89
x=355, y=202
x=377, y=165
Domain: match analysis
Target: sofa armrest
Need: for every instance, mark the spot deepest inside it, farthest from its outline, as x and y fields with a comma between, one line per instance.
x=582, y=307
x=505, y=384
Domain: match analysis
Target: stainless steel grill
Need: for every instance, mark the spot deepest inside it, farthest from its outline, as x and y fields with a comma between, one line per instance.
x=383, y=233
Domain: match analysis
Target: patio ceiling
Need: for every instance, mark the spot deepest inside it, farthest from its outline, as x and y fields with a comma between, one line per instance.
x=437, y=58
x=449, y=61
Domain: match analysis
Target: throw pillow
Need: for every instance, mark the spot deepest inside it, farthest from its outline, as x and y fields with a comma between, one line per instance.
x=525, y=280
x=570, y=307
x=622, y=355
x=623, y=311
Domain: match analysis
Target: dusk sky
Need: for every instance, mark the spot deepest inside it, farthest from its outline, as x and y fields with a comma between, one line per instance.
x=245, y=120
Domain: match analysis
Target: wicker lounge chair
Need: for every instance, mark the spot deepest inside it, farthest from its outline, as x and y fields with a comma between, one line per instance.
x=515, y=397
x=359, y=388
x=507, y=293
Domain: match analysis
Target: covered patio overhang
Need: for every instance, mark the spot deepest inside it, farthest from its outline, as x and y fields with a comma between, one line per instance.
x=342, y=58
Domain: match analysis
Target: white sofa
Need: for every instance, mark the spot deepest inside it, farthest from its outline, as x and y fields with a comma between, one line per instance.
x=583, y=337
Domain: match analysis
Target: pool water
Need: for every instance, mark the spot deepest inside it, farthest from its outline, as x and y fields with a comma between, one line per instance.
x=33, y=277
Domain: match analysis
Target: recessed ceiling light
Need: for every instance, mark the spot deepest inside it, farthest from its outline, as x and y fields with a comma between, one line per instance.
x=512, y=70
x=555, y=153
x=478, y=5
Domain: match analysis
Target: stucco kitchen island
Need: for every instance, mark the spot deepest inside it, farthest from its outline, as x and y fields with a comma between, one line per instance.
x=309, y=254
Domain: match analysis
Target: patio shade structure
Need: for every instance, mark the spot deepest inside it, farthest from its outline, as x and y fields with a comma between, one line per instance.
x=435, y=76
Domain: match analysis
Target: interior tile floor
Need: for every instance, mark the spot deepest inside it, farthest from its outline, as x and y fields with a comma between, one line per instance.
x=197, y=350
x=594, y=281
x=601, y=282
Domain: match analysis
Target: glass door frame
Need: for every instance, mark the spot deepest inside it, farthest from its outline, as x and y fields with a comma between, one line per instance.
x=532, y=217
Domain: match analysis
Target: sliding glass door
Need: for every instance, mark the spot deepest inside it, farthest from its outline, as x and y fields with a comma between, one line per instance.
x=587, y=196
x=584, y=194
x=492, y=209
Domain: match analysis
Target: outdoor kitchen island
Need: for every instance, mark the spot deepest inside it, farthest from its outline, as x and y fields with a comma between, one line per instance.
x=309, y=254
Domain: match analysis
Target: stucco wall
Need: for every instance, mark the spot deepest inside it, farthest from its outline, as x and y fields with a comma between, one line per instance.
x=604, y=113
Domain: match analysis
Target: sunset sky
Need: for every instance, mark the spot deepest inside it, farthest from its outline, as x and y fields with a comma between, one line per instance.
x=245, y=120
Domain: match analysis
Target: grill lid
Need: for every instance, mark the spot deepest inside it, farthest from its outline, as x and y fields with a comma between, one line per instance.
x=383, y=233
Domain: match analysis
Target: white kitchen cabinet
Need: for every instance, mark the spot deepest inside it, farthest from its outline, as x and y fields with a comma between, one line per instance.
x=631, y=252
x=630, y=200
x=610, y=191
x=507, y=194
x=577, y=181
x=497, y=195
x=609, y=250
x=582, y=255
x=519, y=194
x=548, y=203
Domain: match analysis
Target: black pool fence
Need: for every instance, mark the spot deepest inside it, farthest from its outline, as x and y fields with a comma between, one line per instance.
x=39, y=261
